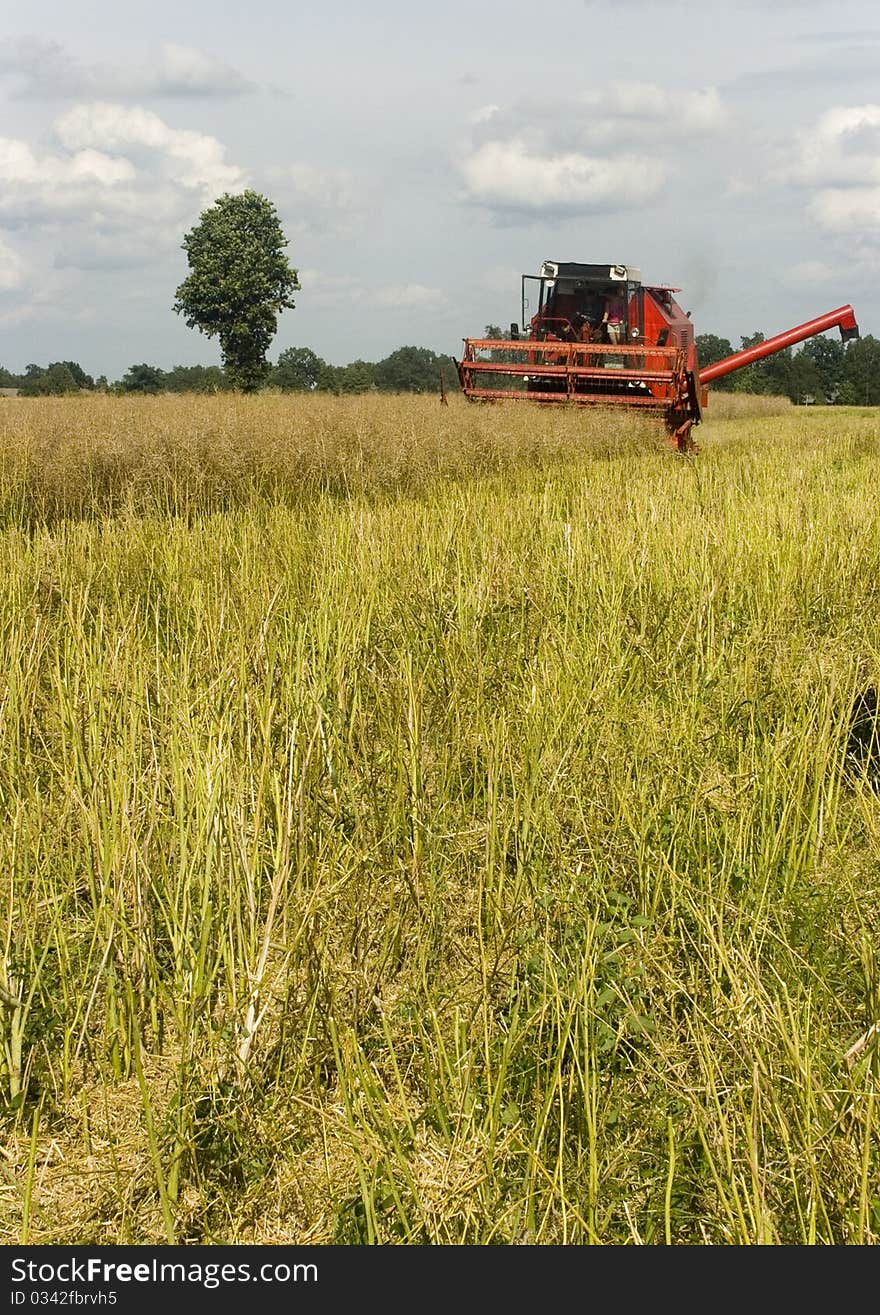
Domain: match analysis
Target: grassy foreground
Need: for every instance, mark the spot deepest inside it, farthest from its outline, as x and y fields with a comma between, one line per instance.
x=432, y=824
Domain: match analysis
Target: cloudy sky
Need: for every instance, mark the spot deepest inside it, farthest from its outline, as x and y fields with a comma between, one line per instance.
x=422, y=158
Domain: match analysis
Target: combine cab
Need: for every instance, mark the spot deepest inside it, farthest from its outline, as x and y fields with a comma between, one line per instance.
x=597, y=335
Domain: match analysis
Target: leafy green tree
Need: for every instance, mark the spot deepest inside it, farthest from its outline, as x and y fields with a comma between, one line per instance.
x=770, y=376
x=239, y=281
x=80, y=377
x=805, y=380
x=60, y=379
x=33, y=381
x=409, y=370
x=54, y=380
x=143, y=379
x=450, y=373
x=711, y=348
x=827, y=356
x=9, y=380
x=775, y=373
x=358, y=377
x=299, y=370
x=861, y=373
x=196, y=379
x=505, y=357
x=749, y=378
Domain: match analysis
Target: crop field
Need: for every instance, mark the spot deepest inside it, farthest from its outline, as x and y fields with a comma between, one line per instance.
x=433, y=824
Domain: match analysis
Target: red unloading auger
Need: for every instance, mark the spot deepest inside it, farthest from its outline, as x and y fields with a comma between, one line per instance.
x=843, y=318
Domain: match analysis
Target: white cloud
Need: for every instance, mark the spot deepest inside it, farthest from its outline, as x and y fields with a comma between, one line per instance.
x=120, y=175
x=193, y=159
x=838, y=160
x=406, y=296
x=507, y=176
x=20, y=166
x=847, y=210
x=321, y=200
x=186, y=71
x=618, y=114
x=12, y=269
x=602, y=149
x=333, y=290
x=841, y=149
x=629, y=110
x=38, y=187
x=329, y=290
x=119, y=189
x=810, y=271
x=133, y=246
x=499, y=279
x=45, y=70
x=52, y=297
x=485, y=113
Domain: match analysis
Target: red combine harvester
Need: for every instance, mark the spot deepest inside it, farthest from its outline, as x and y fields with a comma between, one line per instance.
x=599, y=336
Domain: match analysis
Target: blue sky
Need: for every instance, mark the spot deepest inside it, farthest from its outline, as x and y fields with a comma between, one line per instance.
x=421, y=160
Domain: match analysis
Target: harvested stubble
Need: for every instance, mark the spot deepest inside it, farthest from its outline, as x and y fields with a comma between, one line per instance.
x=435, y=824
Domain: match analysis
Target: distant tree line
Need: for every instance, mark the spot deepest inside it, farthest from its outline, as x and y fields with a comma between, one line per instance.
x=407, y=370
x=55, y=379
x=823, y=370
x=299, y=370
